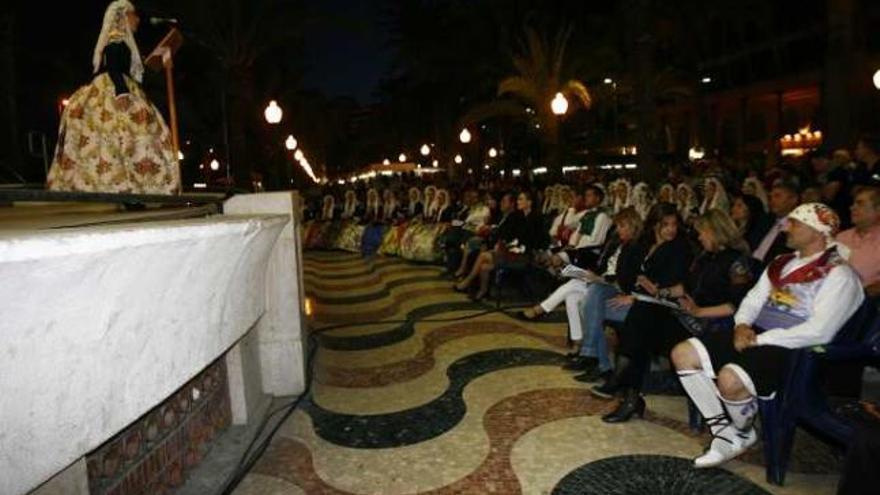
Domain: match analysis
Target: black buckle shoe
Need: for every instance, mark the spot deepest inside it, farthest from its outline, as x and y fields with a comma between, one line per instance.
x=580, y=363
x=594, y=375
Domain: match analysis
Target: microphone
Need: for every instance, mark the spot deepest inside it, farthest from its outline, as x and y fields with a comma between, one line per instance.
x=157, y=21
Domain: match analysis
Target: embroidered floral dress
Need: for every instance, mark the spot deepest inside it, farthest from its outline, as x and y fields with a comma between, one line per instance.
x=112, y=139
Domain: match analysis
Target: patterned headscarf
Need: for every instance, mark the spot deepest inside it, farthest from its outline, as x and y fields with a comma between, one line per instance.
x=819, y=217
x=719, y=201
x=754, y=187
x=114, y=30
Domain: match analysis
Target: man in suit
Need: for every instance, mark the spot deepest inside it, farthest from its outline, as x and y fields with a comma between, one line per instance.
x=784, y=197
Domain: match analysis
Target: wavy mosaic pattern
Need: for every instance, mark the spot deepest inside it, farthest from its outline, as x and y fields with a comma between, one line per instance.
x=420, y=391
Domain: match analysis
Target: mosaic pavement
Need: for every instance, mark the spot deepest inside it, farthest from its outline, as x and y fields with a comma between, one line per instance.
x=419, y=390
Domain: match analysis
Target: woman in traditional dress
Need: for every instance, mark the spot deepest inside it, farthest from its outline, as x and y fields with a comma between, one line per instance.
x=111, y=138
x=396, y=224
x=666, y=193
x=754, y=187
x=350, y=207
x=351, y=231
x=622, y=195
x=415, y=207
x=430, y=204
x=714, y=196
x=373, y=218
x=642, y=199
x=686, y=202
x=421, y=241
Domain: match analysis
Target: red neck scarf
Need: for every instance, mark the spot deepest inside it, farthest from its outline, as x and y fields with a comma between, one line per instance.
x=812, y=271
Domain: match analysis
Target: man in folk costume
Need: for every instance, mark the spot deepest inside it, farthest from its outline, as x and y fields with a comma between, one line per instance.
x=586, y=242
x=801, y=300
x=112, y=138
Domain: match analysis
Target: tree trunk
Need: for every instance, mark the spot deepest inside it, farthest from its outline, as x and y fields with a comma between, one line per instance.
x=242, y=116
x=838, y=97
x=641, y=44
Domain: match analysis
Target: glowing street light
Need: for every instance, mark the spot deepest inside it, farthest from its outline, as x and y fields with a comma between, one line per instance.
x=179, y=155
x=435, y=163
x=458, y=159
x=273, y=113
x=608, y=80
x=877, y=79
x=465, y=136
x=291, y=143
x=706, y=80
x=215, y=165
x=298, y=155
x=426, y=150
x=493, y=153
x=559, y=105
x=402, y=158
x=386, y=162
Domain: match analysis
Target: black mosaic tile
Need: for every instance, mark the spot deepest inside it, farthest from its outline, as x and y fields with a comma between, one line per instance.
x=397, y=334
x=652, y=474
x=429, y=420
x=380, y=294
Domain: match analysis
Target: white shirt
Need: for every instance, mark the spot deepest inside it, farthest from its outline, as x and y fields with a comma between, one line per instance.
x=839, y=297
x=768, y=240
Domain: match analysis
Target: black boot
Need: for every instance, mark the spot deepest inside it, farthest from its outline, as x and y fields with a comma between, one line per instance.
x=612, y=383
x=632, y=403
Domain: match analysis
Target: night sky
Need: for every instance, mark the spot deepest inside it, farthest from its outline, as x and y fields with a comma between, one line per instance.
x=345, y=52
x=345, y=48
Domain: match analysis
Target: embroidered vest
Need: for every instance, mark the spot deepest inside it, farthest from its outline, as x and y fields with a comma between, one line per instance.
x=791, y=296
x=588, y=221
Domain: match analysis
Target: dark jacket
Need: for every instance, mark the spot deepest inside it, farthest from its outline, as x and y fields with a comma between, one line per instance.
x=758, y=227
x=668, y=265
x=719, y=278
x=629, y=262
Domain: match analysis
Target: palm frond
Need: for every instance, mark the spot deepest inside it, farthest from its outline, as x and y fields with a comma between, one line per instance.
x=493, y=109
x=578, y=90
x=520, y=87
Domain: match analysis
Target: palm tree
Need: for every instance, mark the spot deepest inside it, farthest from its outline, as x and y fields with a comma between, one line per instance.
x=541, y=71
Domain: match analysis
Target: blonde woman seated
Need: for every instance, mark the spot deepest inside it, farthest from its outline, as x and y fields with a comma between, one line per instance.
x=618, y=267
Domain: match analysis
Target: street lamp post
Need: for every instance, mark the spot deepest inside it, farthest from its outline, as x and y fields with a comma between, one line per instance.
x=273, y=115
x=613, y=85
x=559, y=106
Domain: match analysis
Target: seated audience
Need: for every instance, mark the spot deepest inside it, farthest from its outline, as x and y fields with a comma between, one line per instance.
x=863, y=240
x=801, y=300
x=707, y=299
x=747, y=212
x=664, y=265
x=784, y=197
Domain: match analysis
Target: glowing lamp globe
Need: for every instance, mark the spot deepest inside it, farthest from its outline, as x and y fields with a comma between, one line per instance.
x=559, y=105
x=465, y=136
x=273, y=113
x=290, y=143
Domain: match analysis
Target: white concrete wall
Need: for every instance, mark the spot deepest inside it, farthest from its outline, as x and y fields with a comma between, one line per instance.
x=98, y=325
x=280, y=330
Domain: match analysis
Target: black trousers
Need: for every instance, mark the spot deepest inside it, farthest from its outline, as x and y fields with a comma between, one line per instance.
x=649, y=330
